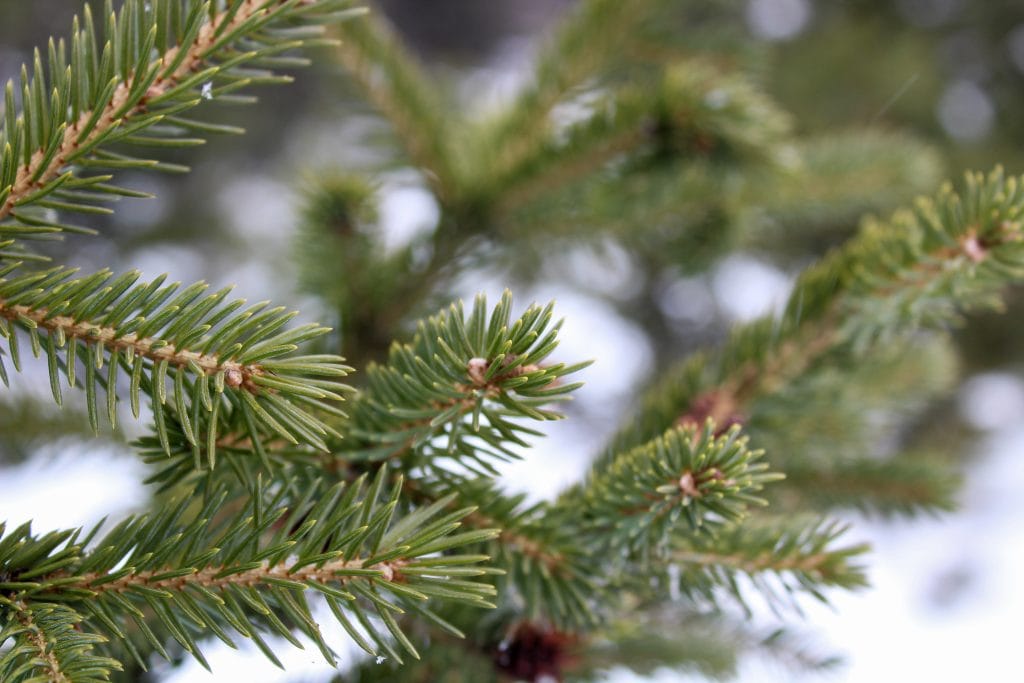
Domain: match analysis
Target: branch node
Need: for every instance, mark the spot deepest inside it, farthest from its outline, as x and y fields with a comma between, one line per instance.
x=688, y=485
x=477, y=370
x=973, y=247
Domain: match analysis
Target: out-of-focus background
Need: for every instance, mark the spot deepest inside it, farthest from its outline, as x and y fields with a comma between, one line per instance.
x=945, y=600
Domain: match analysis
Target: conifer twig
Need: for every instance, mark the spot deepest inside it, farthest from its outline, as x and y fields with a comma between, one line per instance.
x=702, y=477
x=696, y=111
x=212, y=351
x=37, y=638
x=456, y=390
x=594, y=34
x=922, y=268
x=246, y=568
x=159, y=59
x=119, y=109
x=392, y=80
x=46, y=642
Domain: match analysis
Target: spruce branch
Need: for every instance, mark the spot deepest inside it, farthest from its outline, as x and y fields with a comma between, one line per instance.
x=688, y=476
x=779, y=556
x=399, y=560
x=459, y=390
x=44, y=643
x=393, y=82
x=594, y=34
x=902, y=485
x=684, y=212
x=200, y=572
x=694, y=111
x=923, y=268
x=838, y=455
x=837, y=179
x=150, y=65
x=339, y=232
x=548, y=574
x=214, y=355
x=669, y=214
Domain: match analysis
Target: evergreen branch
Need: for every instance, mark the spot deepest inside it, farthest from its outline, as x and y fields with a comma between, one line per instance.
x=779, y=556
x=658, y=639
x=548, y=573
x=693, y=111
x=496, y=650
x=836, y=454
x=635, y=197
x=594, y=34
x=839, y=177
x=922, y=268
x=901, y=485
x=667, y=638
x=686, y=476
x=393, y=82
x=214, y=355
x=688, y=210
x=928, y=266
x=113, y=90
x=339, y=232
x=678, y=214
x=251, y=570
x=47, y=644
x=458, y=390
x=613, y=131
x=246, y=449
x=823, y=411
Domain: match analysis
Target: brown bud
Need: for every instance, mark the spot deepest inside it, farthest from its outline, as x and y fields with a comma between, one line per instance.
x=973, y=248
x=688, y=485
x=477, y=370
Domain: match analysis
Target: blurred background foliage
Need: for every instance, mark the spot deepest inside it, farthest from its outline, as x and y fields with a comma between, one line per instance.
x=946, y=73
x=886, y=99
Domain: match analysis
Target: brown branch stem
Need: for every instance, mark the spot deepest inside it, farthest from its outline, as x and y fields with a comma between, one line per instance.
x=531, y=547
x=793, y=356
x=236, y=374
x=429, y=155
x=476, y=369
x=215, y=577
x=563, y=171
x=815, y=563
